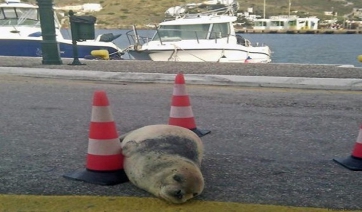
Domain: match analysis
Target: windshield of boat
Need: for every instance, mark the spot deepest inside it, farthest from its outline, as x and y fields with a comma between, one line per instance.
x=18, y=16
x=192, y=32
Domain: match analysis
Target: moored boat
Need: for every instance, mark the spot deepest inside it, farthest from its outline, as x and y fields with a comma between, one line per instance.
x=20, y=34
x=204, y=37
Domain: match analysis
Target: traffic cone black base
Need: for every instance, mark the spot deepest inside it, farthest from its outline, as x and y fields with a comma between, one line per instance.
x=351, y=163
x=99, y=178
x=354, y=161
x=200, y=133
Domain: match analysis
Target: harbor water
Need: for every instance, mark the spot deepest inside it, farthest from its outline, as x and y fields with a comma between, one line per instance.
x=288, y=48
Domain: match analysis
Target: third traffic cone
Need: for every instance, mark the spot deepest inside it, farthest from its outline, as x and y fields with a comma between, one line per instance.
x=104, y=160
x=181, y=112
x=354, y=162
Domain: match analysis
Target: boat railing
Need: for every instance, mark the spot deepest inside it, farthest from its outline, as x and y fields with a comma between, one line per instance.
x=167, y=35
x=16, y=22
x=173, y=35
x=135, y=39
x=8, y=22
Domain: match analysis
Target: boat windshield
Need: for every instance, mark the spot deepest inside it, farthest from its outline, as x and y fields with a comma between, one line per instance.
x=192, y=32
x=19, y=16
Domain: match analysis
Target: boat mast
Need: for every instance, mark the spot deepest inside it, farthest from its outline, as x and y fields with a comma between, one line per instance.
x=289, y=8
x=264, y=10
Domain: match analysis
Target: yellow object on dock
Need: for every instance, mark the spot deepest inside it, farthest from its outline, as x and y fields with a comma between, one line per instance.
x=359, y=58
x=104, y=54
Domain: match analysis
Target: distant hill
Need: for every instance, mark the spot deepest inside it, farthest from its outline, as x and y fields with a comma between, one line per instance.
x=124, y=13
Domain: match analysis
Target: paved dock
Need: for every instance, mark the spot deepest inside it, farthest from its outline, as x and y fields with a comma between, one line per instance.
x=239, y=69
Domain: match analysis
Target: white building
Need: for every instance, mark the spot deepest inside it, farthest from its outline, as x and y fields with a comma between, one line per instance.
x=330, y=13
x=286, y=23
x=175, y=11
x=90, y=7
x=72, y=7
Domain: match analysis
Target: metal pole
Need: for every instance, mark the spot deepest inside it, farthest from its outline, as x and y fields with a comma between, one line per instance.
x=289, y=8
x=74, y=31
x=264, y=10
x=49, y=45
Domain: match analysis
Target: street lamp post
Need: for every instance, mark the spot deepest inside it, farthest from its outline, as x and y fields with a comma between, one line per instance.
x=49, y=45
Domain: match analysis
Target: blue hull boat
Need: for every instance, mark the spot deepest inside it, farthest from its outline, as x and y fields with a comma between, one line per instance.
x=20, y=35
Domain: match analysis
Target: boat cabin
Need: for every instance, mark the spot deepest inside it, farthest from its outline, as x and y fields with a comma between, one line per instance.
x=196, y=28
x=15, y=13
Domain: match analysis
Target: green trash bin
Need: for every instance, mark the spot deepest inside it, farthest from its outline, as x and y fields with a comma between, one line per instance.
x=82, y=27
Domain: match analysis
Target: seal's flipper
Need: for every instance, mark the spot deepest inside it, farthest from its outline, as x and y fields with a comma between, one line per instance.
x=123, y=136
x=129, y=147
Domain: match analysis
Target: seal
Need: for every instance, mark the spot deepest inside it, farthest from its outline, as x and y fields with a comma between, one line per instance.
x=164, y=160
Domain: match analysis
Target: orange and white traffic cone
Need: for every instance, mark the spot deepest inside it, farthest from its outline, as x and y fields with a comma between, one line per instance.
x=247, y=59
x=181, y=111
x=104, y=160
x=354, y=162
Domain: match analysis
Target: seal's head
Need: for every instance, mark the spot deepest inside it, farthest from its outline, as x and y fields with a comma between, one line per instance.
x=182, y=184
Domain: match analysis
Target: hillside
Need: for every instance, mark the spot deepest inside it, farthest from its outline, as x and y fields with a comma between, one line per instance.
x=124, y=13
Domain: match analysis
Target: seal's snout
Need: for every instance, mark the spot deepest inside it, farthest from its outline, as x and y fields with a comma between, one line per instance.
x=172, y=194
x=178, y=194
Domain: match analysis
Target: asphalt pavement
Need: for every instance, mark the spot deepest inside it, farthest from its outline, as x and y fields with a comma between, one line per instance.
x=269, y=144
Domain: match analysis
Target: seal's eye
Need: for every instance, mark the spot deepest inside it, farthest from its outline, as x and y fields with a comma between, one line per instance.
x=195, y=194
x=178, y=194
x=177, y=178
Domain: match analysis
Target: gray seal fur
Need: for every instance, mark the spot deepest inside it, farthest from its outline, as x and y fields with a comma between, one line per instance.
x=164, y=160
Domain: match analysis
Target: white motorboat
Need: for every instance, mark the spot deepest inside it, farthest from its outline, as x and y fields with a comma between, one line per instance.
x=206, y=37
x=20, y=34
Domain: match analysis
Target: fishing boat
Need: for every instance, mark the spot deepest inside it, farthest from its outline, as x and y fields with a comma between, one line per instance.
x=201, y=37
x=20, y=34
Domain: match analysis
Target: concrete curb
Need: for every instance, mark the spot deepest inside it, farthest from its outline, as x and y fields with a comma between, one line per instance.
x=201, y=79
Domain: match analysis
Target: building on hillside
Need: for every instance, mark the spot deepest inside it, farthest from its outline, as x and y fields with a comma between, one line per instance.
x=70, y=7
x=286, y=23
x=330, y=13
x=90, y=7
x=357, y=12
x=248, y=16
